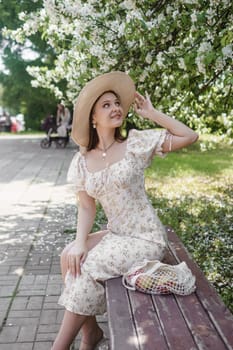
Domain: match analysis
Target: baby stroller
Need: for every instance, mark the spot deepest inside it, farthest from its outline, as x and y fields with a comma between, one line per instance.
x=50, y=127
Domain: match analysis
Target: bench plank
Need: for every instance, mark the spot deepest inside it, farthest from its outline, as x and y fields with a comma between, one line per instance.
x=150, y=333
x=121, y=326
x=173, y=322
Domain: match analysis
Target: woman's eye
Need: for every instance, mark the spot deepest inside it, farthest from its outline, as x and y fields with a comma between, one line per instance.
x=117, y=103
x=106, y=105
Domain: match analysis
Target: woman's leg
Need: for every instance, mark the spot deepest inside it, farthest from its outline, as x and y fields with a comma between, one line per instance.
x=71, y=324
x=91, y=334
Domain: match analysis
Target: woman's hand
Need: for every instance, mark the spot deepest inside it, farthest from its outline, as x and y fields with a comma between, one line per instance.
x=143, y=105
x=76, y=257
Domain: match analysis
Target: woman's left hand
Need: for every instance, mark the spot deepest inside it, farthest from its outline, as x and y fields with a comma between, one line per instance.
x=143, y=105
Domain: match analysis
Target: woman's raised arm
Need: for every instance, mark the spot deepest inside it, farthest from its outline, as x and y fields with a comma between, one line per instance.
x=180, y=134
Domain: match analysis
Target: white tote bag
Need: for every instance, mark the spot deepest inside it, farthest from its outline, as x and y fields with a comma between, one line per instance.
x=154, y=277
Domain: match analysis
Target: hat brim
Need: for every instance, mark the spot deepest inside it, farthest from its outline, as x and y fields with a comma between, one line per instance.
x=118, y=82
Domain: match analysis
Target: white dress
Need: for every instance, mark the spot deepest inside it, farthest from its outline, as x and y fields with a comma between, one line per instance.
x=134, y=233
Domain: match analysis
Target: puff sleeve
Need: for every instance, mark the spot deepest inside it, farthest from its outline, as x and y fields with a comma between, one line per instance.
x=145, y=144
x=76, y=173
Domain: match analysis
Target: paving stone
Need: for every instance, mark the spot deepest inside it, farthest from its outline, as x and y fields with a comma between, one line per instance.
x=19, y=303
x=17, y=346
x=54, y=289
x=35, y=302
x=6, y=291
x=2, y=317
x=23, y=321
x=46, y=336
x=51, y=298
x=27, y=333
x=27, y=280
x=37, y=271
x=48, y=328
x=48, y=317
x=4, y=303
x=42, y=279
x=8, y=280
x=52, y=306
x=42, y=345
x=4, y=269
x=24, y=313
x=15, y=268
x=60, y=315
x=9, y=334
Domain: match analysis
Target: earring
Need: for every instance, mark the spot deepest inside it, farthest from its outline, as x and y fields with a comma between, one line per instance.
x=94, y=125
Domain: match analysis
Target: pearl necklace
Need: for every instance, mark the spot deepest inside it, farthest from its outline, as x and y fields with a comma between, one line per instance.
x=104, y=150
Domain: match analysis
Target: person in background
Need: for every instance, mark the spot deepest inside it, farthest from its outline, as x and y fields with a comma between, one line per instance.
x=63, y=120
x=49, y=124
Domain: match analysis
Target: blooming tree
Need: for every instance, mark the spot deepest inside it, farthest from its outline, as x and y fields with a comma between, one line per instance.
x=179, y=51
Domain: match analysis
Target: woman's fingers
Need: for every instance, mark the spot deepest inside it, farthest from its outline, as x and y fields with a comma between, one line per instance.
x=138, y=96
x=78, y=268
x=74, y=265
x=139, y=99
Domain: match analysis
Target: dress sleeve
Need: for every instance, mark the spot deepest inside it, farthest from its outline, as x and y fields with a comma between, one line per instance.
x=145, y=144
x=76, y=173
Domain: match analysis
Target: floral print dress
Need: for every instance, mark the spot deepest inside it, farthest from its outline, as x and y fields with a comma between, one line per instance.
x=134, y=231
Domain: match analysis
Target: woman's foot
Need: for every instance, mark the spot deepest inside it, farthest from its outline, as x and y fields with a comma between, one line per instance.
x=90, y=342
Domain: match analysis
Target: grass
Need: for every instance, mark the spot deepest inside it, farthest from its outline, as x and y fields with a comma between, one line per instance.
x=193, y=192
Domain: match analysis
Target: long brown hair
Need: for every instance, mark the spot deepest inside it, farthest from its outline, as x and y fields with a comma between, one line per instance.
x=93, y=136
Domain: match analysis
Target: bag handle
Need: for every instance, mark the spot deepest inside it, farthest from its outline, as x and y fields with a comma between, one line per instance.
x=126, y=284
x=131, y=285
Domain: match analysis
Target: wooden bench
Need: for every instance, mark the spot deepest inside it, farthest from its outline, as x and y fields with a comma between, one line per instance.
x=139, y=321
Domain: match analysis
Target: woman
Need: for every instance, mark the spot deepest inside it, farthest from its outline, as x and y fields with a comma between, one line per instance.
x=110, y=168
x=63, y=119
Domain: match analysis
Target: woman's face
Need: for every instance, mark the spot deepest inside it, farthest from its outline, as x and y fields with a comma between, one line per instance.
x=108, y=112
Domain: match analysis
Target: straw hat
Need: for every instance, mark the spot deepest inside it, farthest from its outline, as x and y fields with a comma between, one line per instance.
x=118, y=82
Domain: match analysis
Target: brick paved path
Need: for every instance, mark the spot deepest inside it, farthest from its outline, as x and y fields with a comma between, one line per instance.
x=38, y=216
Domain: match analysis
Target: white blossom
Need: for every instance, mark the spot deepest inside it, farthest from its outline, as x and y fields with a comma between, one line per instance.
x=128, y=4
x=200, y=64
x=160, y=59
x=22, y=16
x=193, y=17
x=175, y=14
x=181, y=64
x=204, y=47
x=227, y=51
x=148, y=58
x=160, y=18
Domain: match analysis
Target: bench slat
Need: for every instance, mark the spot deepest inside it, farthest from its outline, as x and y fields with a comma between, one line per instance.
x=150, y=333
x=175, y=328
x=220, y=316
x=122, y=333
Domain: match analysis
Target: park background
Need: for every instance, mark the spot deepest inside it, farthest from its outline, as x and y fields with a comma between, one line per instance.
x=178, y=51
